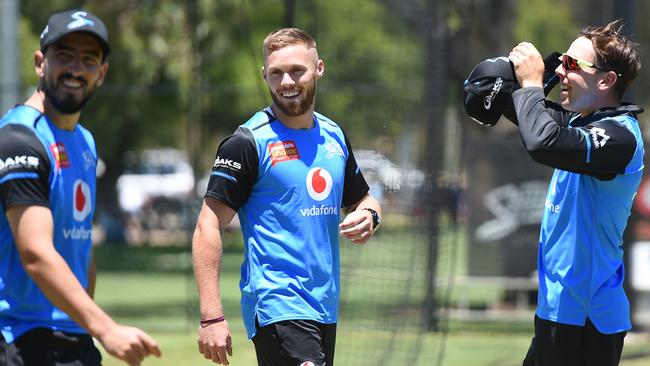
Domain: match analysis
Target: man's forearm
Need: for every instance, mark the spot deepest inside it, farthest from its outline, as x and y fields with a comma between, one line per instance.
x=206, y=257
x=53, y=276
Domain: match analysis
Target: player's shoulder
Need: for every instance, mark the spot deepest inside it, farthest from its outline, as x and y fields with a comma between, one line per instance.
x=87, y=136
x=326, y=122
x=622, y=120
x=21, y=115
x=258, y=121
x=17, y=127
x=19, y=146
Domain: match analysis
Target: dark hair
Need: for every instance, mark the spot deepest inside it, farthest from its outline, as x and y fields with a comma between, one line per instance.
x=284, y=37
x=615, y=51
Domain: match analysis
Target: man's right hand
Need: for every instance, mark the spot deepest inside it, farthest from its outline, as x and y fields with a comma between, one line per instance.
x=129, y=344
x=215, y=341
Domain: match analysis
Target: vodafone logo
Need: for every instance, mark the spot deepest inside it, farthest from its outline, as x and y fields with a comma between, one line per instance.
x=307, y=363
x=319, y=183
x=82, y=200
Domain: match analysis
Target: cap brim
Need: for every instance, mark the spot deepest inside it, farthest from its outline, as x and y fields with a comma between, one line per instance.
x=104, y=45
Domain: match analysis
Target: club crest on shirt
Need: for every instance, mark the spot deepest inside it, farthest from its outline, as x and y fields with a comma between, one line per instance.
x=333, y=149
x=283, y=151
x=89, y=160
x=60, y=155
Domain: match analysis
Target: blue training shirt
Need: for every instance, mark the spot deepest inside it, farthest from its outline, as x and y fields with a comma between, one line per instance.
x=41, y=164
x=599, y=165
x=581, y=244
x=288, y=187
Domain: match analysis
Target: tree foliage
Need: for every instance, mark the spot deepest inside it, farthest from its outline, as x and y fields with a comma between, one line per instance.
x=178, y=65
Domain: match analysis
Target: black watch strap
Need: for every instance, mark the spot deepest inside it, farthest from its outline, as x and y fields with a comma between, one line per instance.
x=376, y=220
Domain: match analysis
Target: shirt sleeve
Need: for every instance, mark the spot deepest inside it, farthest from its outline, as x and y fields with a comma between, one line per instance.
x=24, y=167
x=601, y=149
x=235, y=169
x=355, y=186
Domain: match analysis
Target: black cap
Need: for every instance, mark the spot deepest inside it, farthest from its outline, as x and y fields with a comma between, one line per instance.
x=63, y=23
x=488, y=90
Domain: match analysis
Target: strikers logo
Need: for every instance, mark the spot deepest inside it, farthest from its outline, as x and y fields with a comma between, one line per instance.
x=319, y=183
x=599, y=137
x=82, y=200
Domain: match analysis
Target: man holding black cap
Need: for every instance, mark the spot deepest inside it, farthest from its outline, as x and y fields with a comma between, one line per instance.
x=595, y=145
x=47, y=193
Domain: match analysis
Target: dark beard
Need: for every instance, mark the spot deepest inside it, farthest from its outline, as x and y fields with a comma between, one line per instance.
x=296, y=109
x=65, y=103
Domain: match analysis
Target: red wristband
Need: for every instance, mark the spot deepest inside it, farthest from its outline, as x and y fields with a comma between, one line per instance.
x=205, y=322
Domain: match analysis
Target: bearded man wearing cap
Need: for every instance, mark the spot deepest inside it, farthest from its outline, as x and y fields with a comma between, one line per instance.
x=594, y=143
x=47, y=194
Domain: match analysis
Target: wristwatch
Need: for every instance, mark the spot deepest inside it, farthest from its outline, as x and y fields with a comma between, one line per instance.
x=376, y=220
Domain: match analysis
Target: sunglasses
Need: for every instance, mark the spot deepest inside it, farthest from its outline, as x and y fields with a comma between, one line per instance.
x=574, y=64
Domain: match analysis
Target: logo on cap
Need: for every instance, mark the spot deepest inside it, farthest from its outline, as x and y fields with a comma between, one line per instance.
x=79, y=20
x=319, y=183
x=81, y=200
x=487, y=103
x=44, y=32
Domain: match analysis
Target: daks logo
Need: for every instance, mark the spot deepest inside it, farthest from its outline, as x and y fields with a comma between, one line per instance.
x=82, y=200
x=319, y=183
x=22, y=161
x=226, y=163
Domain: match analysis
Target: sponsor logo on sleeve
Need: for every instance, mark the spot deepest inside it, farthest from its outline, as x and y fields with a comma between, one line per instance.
x=226, y=163
x=18, y=162
x=283, y=151
x=60, y=155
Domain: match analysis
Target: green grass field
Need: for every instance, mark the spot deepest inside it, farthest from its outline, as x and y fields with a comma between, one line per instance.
x=382, y=284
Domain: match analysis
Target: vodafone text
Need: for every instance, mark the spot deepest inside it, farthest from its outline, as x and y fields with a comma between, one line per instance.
x=77, y=233
x=321, y=210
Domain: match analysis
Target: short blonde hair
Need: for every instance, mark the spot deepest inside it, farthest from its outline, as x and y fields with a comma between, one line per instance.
x=284, y=37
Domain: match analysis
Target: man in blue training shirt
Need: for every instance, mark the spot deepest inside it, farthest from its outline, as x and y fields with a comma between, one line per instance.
x=594, y=142
x=286, y=172
x=47, y=195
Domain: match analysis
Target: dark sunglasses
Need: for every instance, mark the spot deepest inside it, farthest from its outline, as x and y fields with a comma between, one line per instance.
x=574, y=64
